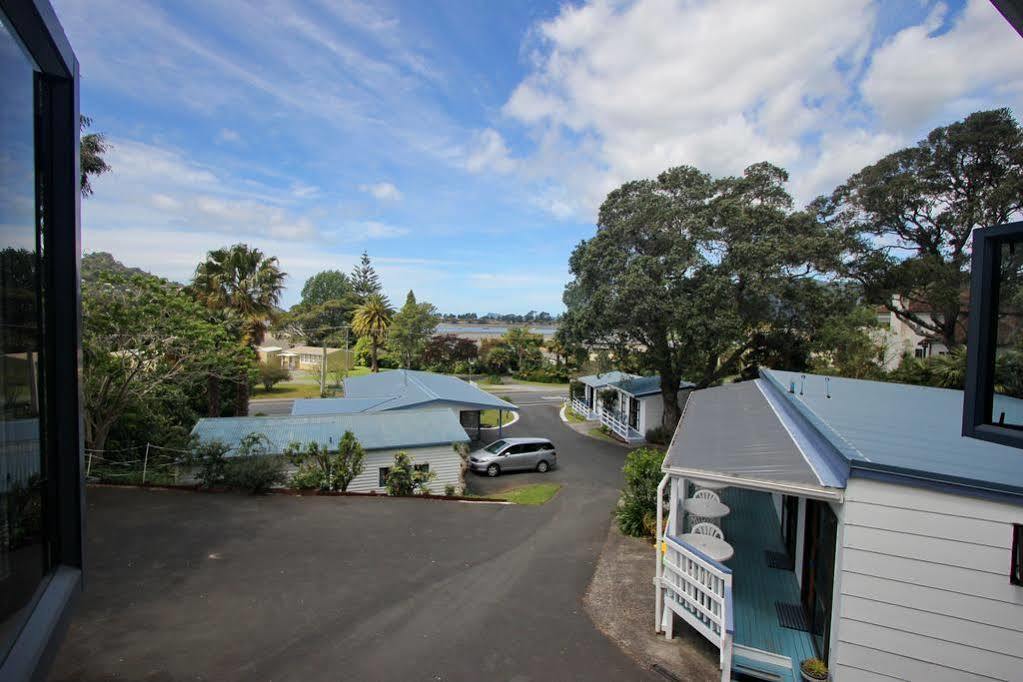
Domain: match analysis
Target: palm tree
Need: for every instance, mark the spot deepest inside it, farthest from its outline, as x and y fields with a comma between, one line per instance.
x=245, y=286
x=372, y=320
x=244, y=283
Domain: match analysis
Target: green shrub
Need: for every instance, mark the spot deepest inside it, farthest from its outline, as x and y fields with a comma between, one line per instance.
x=209, y=460
x=271, y=374
x=404, y=478
x=659, y=435
x=306, y=477
x=546, y=375
x=255, y=474
x=493, y=379
x=639, y=496
x=449, y=490
x=325, y=469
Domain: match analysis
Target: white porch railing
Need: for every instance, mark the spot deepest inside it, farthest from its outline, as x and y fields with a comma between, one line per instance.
x=581, y=408
x=699, y=590
x=614, y=421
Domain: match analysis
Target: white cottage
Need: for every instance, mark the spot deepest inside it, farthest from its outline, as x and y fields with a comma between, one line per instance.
x=427, y=435
x=627, y=404
x=856, y=525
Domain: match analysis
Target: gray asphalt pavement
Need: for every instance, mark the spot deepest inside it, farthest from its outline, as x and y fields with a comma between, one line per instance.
x=226, y=587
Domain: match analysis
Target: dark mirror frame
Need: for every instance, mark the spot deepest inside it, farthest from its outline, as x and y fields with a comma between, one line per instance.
x=36, y=26
x=981, y=339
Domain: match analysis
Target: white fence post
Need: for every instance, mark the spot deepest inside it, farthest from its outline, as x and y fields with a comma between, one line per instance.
x=145, y=464
x=88, y=467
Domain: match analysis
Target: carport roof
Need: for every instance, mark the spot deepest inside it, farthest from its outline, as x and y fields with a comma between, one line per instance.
x=376, y=431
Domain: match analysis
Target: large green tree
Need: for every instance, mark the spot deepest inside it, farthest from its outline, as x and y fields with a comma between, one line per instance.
x=147, y=348
x=243, y=287
x=910, y=216
x=328, y=285
x=372, y=320
x=698, y=277
x=411, y=329
x=364, y=278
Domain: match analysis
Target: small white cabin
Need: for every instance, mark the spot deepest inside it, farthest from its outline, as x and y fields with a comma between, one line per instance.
x=847, y=520
x=627, y=404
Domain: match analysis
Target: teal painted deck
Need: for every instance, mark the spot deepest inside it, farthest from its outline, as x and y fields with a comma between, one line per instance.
x=752, y=528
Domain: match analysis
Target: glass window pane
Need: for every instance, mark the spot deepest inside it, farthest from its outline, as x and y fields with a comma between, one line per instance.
x=23, y=551
x=1007, y=405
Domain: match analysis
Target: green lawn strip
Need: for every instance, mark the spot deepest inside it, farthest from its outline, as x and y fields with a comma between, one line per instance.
x=596, y=432
x=572, y=416
x=543, y=384
x=488, y=418
x=287, y=389
x=534, y=494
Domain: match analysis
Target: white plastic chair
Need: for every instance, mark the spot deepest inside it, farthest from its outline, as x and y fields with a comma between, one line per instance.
x=708, y=529
x=706, y=495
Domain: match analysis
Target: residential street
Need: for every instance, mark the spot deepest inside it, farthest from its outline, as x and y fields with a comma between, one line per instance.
x=228, y=587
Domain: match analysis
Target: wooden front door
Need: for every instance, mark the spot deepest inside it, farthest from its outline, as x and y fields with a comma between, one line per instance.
x=819, y=572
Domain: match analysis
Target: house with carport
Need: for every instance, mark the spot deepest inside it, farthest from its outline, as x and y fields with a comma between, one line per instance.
x=849, y=520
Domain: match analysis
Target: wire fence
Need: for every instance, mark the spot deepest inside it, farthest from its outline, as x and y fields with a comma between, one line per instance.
x=138, y=464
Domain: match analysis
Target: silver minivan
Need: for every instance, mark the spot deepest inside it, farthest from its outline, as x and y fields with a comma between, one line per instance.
x=514, y=454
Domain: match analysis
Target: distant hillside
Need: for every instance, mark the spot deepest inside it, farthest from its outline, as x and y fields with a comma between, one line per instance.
x=95, y=263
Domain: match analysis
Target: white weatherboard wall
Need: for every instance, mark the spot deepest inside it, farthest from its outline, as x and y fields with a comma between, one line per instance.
x=443, y=461
x=924, y=584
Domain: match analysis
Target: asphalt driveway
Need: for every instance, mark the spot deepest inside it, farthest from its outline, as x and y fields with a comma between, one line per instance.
x=225, y=587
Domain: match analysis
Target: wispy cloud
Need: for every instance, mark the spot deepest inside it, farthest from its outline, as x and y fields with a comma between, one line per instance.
x=384, y=191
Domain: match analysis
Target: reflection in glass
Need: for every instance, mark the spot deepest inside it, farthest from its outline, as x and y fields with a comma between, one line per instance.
x=1007, y=405
x=23, y=549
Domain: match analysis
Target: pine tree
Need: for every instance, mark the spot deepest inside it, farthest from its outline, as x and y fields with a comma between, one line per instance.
x=365, y=280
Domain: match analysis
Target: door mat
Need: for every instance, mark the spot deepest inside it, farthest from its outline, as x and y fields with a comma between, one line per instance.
x=791, y=616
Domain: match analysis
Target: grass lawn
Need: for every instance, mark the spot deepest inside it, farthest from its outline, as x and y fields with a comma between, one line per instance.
x=572, y=416
x=544, y=384
x=596, y=432
x=534, y=494
x=489, y=418
x=288, y=389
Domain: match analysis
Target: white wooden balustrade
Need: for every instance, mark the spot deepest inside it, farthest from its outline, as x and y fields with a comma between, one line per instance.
x=581, y=408
x=699, y=590
x=615, y=422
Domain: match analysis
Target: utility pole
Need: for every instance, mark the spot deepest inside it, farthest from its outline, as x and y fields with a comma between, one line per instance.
x=323, y=369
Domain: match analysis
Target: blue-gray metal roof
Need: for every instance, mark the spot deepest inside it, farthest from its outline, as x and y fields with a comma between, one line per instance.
x=375, y=431
x=310, y=406
x=605, y=379
x=641, y=386
x=405, y=388
x=738, y=431
x=904, y=430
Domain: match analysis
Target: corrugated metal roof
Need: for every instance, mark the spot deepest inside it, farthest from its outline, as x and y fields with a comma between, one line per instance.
x=733, y=430
x=376, y=431
x=641, y=386
x=909, y=430
x=605, y=379
x=310, y=406
x=409, y=388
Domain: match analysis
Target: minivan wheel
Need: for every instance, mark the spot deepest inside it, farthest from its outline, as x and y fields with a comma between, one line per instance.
x=542, y=467
x=493, y=470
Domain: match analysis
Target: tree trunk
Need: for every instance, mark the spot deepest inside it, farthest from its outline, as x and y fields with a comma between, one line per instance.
x=212, y=396
x=373, y=356
x=241, y=400
x=672, y=411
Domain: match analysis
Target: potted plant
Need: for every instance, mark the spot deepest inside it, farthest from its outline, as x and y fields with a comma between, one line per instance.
x=814, y=669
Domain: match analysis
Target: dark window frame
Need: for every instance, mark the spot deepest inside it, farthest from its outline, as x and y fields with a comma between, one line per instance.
x=36, y=26
x=382, y=476
x=983, y=328
x=1016, y=564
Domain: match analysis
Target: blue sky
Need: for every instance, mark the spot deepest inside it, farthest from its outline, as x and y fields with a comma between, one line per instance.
x=466, y=145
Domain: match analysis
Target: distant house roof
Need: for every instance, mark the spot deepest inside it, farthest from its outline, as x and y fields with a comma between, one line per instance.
x=403, y=390
x=376, y=431
x=643, y=386
x=605, y=379
x=312, y=350
x=269, y=349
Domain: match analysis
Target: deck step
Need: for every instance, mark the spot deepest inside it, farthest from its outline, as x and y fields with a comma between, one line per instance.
x=762, y=670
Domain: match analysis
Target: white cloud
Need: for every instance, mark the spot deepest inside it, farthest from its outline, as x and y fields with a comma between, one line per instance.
x=488, y=153
x=918, y=76
x=384, y=191
x=623, y=90
x=378, y=230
